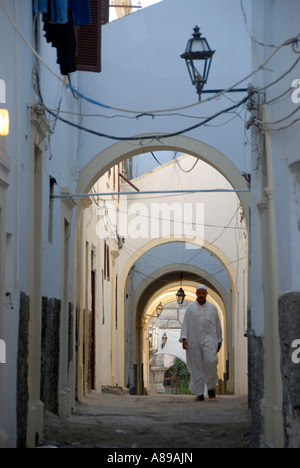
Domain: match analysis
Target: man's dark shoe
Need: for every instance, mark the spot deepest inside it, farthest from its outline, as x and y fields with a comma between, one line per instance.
x=200, y=398
x=211, y=394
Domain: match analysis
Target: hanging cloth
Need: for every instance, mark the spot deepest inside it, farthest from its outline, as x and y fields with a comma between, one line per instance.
x=59, y=17
x=40, y=6
x=81, y=11
x=57, y=10
x=62, y=37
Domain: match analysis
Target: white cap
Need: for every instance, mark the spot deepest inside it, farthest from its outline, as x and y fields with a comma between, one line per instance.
x=201, y=286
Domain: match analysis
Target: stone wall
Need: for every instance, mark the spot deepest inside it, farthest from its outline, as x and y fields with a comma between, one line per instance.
x=289, y=329
x=256, y=384
x=22, y=371
x=50, y=353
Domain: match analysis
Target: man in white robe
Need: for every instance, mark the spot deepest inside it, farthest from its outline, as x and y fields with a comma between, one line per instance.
x=201, y=337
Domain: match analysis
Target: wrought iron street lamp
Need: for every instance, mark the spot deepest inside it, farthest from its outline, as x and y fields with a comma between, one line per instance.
x=180, y=296
x=159, y=310
x=164, y=340
x=198, y=57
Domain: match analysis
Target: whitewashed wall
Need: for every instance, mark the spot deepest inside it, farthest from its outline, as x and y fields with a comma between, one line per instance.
x=142, y=70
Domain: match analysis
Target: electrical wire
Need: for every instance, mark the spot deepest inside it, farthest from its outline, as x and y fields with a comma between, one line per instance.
x=215, y=268
x=278, y=121
x=286, y=126
x=248, y=30
x=191, y=259
x=148, y=137
x=129, y=117
x=290, y=41
x=278, y=98
x=189, y=170
x=281, y=77
x=222, y=233
x=210, y=275
x=153, y=218
x=156, y=158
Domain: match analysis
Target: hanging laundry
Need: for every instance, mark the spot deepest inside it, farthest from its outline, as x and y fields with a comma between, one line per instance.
x=62, y=37
x=59, y=17
x=57, y=10
x=40, y=6
x=81, y=11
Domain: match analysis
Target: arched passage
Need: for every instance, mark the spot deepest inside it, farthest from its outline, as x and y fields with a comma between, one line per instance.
x=169, y=274
x=150, y=288
x=99, y=164
x=161, y=286
x=171, y=318
x=123, y=150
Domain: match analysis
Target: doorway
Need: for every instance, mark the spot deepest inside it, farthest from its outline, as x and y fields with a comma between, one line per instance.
x=93, y=331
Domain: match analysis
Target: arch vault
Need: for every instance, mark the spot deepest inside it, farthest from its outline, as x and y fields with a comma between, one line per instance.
x=98, y=165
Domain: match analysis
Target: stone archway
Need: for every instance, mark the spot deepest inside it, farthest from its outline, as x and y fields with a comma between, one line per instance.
x=193, y=273
x=100, y=163
x=170, y=321
x=123, y=150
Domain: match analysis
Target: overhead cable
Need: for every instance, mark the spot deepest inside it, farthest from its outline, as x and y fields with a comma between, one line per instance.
x=148, y=192
x=150, y=217
x=148, y=137
x=285, y=43
x=248, y=30
x=290, y=41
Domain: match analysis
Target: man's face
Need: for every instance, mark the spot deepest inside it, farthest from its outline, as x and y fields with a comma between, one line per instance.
x=201, y=296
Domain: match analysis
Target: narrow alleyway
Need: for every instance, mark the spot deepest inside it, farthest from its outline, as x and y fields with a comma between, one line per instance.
x=164, y=421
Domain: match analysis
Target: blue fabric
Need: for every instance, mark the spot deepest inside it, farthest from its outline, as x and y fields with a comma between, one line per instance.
x=58, y=10
x=81, y=11
x=62, y=37
x=40, y=6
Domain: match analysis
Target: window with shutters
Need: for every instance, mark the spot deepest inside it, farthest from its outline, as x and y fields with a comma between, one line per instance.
x=88, y=38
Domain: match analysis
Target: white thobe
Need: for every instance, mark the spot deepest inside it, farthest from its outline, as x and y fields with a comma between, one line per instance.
x=202, y=329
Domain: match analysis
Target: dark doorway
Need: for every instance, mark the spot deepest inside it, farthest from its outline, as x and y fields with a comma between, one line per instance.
x=93, y=332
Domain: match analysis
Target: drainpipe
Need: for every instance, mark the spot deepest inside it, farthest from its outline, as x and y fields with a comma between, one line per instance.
x=274, y=426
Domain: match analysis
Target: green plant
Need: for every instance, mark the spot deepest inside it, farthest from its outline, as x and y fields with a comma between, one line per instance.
x=180, y=370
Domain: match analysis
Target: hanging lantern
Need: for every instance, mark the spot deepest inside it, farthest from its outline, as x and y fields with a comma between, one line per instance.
x=164, y=340
x=159, y=310
x=180, y=296
x=198, y=57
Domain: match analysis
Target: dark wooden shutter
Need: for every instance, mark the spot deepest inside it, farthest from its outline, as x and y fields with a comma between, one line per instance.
x=88, y=38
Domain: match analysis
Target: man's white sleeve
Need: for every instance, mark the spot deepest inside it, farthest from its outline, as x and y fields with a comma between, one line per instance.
x=184, y=329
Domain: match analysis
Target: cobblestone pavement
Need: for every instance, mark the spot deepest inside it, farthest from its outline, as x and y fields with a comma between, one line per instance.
x=164, y=421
